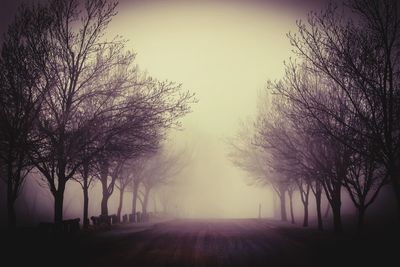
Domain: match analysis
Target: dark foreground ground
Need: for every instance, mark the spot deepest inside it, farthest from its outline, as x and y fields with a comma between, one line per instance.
x=245, y=242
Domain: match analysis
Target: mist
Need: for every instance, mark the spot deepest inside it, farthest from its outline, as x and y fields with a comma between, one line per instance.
x=223, y=52
x=209, y=44
x=200, y=133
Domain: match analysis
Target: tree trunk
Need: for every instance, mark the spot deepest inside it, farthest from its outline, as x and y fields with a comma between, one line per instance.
x=134, y=199
x=155, y=203
x=11, y=196
x=85, y=189
x=327, y=211
x=104, y=205
x=305, y=221
x=104, y=180
x=336, y=206
x=59, y=203
x=274, y=199
x=121, y=200
x=305, y=193
x=337, y=220
x=86, y=221
x=282, y=198
x=318, y=207
x=145, y=201
x=290, y=193
x=12, y=218
x=360, y=221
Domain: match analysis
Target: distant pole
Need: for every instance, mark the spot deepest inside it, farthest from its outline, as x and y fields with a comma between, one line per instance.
x=259, y=211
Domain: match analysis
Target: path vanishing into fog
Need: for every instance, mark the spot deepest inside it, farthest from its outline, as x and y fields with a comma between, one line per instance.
x=204, y=243
x=224, y=242
x=229, y=242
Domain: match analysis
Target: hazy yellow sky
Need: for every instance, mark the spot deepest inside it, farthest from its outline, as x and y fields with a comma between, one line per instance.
x=224, y=52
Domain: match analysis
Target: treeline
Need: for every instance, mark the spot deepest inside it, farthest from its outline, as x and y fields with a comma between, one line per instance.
x=74, y=105
x=333, y=121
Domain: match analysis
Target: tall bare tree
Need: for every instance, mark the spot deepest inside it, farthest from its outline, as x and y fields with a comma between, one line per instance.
x=155, y=107
x=136, y=169
x=123, y=181
x=23, y=86
x=79, y=57
x=360, y=57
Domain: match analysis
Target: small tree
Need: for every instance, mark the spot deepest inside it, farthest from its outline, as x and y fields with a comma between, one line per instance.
x=160, y=168
x=248, y=153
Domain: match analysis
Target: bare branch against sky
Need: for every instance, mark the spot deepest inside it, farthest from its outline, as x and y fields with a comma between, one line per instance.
x=200, y=133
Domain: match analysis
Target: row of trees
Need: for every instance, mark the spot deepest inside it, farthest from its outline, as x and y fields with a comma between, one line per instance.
x=153, y=170
x=74, y=105
x=332, y=121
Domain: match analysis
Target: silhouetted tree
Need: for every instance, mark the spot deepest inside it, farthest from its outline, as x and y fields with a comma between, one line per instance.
x=23, y=87
x=79, y=56
x=363, y=183
x=314, y=99
x=116, y=126
x=123, y=181
x=136, y=168
x=156, y=107
x=248, y=153
x=96, y=86
x=291, y=190
x=276, y=135
x=359, y=57
x=86, y=180
x=316, y=188
x=304, y=189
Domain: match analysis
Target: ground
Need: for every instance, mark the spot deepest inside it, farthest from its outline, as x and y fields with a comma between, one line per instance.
x=235, y=242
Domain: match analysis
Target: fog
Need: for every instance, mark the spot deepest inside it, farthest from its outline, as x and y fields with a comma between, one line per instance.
x=200, y=132
x=223, y=51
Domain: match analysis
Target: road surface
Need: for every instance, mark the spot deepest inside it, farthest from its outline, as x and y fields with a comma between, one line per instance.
x=239, y=242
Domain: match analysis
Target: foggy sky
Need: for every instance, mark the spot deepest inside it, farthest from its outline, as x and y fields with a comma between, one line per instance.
x=224, y=51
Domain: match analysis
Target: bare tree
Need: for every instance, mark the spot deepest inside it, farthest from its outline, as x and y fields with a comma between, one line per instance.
x=86, y=180
x=317, y=105
x=156, y=107
x=291, y=190
x=161, y=168
x=360, y=57
x=22, y=89
x=249, y=154
x=316, y=188
x=279, y=139
x=363, y=183
x=78, y=57
x=136, y=169
x=319, y=101
x=123, y=181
